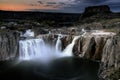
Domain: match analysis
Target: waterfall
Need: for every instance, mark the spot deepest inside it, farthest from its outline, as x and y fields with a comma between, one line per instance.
x=38, y=49
x=68, y=50
x=59, y=43
x=30, y=48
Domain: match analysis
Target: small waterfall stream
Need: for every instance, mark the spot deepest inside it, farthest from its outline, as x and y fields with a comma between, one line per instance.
x=58, y=45
x=68, y=50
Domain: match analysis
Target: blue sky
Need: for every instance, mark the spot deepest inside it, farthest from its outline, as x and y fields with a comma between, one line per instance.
x=69, y=6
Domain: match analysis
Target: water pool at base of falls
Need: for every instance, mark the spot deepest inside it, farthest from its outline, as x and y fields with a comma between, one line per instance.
x=60, y=69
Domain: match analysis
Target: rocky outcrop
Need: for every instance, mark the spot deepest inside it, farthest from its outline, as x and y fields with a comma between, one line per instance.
x=102, y=48
x=8, y=45
x=91, y=47
x=110, y=62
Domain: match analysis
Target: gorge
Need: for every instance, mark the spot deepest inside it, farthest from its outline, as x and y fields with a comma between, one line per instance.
x=40, y=48
x=96, y=45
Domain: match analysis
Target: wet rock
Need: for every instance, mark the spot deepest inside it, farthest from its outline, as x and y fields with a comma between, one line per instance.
x=77, y=49
x=66, y=40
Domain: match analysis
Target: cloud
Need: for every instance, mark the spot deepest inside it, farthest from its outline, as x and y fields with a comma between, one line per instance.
x=93, y=1
x=40, y=2
x=77, y=6
x=53, y=3
x=114, y=5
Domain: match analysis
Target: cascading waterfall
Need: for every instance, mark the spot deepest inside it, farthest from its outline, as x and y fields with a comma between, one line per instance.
x=38, y=49
x=29, y=48
x=68, y=50
x=58, y=45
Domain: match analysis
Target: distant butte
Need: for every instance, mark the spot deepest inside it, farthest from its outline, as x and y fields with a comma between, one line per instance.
x=98, y=9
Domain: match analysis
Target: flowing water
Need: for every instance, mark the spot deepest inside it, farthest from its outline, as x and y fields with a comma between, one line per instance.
x=60, y=69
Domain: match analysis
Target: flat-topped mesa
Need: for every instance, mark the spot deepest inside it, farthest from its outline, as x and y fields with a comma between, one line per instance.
x=97, y=9
x=93, y=10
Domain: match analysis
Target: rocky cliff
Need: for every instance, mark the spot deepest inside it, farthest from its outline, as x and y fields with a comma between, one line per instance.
x=8, y=45
x=110, y=62
x=89, y=46
x=102, y=48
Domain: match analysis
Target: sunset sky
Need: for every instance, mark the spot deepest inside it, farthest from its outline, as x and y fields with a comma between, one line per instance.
x=69, y=6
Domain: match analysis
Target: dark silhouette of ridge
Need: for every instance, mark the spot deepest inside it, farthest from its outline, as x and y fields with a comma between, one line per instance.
x=103, y=10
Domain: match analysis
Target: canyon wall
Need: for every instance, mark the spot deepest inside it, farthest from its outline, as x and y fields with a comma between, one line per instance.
x=8, y=45
x=110, y=62
x=105, y=49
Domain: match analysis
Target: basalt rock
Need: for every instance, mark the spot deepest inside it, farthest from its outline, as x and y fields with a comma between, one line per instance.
x=66, y=40
x=100, y=42
x=110, y=62
x=90, y=47
x=8, y=45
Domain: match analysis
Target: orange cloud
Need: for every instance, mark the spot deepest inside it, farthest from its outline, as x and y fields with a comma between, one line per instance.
x=21, y=7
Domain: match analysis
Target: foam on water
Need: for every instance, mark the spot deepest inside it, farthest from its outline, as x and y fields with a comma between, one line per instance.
x=28, y=33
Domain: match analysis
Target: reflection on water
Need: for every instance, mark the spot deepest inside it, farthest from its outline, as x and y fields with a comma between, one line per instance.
x=62, y=69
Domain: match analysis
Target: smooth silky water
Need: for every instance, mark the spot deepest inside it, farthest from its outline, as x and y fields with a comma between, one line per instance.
x=40, y=61
x=61, y=69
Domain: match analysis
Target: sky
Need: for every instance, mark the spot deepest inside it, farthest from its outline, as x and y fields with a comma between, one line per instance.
x=66, y=6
